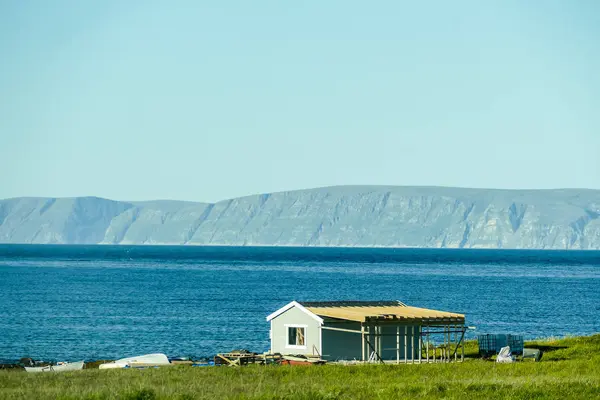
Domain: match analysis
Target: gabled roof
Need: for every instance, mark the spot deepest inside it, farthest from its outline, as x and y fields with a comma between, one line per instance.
x=299, y=307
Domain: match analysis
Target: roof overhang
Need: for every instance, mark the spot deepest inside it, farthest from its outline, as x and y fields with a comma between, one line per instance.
x=398, y=313
x=299, y=307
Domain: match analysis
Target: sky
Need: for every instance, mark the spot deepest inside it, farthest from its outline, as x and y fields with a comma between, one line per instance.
x=204, y=101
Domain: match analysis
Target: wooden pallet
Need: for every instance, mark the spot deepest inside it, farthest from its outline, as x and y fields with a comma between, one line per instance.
x=236, y=359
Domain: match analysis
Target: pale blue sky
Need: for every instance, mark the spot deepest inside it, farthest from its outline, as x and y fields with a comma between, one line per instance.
x=204, y=101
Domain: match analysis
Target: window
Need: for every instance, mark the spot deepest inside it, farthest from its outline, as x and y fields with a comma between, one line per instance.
x=296, y=336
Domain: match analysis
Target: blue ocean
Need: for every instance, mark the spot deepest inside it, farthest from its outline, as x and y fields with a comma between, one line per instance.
x=105, y=302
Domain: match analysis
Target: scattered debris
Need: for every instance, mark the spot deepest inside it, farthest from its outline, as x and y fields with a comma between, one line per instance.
x=504, y=356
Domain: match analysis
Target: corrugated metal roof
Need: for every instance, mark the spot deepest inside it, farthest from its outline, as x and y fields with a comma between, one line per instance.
x=368, y=311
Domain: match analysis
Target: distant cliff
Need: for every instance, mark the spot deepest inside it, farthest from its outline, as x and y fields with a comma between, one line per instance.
x=336, y=216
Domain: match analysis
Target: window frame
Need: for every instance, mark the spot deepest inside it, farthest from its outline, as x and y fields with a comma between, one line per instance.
x=287, y=335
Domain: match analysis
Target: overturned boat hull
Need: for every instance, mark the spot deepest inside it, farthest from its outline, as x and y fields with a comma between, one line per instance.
x=75, y=366
x=148, y=360
x=294, y=360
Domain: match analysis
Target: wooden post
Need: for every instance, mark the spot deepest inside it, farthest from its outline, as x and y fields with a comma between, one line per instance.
x=434, y=348
x=448, y=343
x=380, y=342
x=427, y=351
x=405, y=344
x=375, y=346
x=397, y=344
x=420, y=343
x=434, y=353
x=442, y=346
x=445, y=345
x=370, y=338
x=362, y=341
x=462, y=346
x=456, y=340
x=452, y=339
x=376, y=339
x=412, y=345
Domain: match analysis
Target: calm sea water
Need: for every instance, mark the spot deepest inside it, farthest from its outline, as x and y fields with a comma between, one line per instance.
x=96, y=302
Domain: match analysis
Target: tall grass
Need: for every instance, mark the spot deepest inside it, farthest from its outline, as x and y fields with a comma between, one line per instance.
x=570, y=368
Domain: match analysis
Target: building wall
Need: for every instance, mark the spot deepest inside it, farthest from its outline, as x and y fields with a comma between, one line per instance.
x=279, y=332
x=347, y=346
x=389, y=342
x=341, y=345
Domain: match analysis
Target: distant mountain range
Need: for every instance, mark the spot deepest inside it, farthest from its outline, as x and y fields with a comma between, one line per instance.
x=362, y=216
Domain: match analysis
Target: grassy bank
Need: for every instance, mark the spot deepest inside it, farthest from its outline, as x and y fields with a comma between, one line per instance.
x=570, y=368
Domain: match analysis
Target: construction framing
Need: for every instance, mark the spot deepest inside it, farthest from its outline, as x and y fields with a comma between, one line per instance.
x=441, y=342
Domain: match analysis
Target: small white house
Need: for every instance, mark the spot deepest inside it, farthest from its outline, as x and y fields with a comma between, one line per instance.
x=367, y=331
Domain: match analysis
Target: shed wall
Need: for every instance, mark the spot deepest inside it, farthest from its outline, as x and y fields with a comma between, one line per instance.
x=339, y=345
x=342, y=345
x=391, y=339
x=389, y=342
x=279, y=332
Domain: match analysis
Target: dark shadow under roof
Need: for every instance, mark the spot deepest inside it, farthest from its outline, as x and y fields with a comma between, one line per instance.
x=376, y=303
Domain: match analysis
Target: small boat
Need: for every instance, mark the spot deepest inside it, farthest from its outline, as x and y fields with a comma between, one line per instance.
x=148, y=360
x=180, y=361
x=59, y=367
x=300, y=360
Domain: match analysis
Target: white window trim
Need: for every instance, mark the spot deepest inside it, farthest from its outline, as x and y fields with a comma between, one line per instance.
x=294, y=346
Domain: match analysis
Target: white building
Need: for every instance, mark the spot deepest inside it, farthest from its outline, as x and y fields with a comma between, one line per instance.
x=368, y=331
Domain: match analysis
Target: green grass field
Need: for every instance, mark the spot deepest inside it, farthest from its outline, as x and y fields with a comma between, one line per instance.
x=570, y=368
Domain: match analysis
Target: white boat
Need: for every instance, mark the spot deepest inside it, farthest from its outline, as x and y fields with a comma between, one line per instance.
x=148, y=360
x=59, y=367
